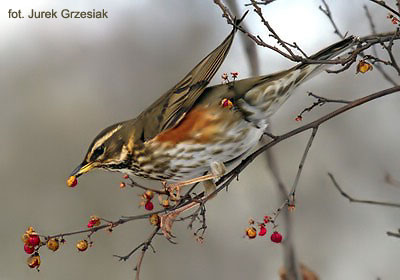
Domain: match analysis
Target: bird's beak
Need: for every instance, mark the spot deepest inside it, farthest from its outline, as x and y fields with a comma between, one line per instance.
x=82, y=168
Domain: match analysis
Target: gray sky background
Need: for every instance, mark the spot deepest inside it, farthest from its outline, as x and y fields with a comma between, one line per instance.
x=62, y=81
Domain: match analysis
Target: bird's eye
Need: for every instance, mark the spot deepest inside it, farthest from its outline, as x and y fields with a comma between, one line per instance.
x=98, y=152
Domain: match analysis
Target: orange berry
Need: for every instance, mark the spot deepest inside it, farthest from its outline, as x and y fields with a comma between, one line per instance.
x=82, y=245
x=251, y=232
x=363, y=67
x=122, y=185
x=53, y=244
x=154, y=220
x=72, y=181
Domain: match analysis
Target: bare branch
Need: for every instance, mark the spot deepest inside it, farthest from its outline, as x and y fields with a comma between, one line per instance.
x=351, y=199
x=383, y=4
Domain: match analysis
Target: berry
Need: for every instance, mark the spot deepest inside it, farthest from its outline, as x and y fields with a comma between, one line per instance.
x=276, y=237
x=33, y=261
x=94, y=222
x=72, y=181
x=25, y=238
x=148, y=195
x=29, y=249
x=149, y=206
x=82, y=245
x=53, y=244
x=251, y=232
x=154, y=220
x=34, y=240
x=267, y=219
x=263, y=231
x=126, y=176
x=122, y=185
x=165, y=203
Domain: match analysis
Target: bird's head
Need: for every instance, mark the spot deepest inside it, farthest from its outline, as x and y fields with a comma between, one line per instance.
x=110, y=150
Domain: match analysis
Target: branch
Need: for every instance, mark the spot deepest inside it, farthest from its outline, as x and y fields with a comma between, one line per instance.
x=383, y=4
x=351, y=199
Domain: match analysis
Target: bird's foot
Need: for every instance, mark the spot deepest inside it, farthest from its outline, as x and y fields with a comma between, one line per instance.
x=167, y=220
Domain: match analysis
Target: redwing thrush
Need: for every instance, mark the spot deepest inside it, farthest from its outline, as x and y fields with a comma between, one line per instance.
x=190, y=131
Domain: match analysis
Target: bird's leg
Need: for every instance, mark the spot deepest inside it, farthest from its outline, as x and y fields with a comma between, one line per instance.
x=167, y=220
x=217, y=170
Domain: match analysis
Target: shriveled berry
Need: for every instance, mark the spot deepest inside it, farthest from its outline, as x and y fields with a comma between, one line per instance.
x=149, y=206
x=82, y=245
x=34, y=240
x=263, y=231
x=29, y=249
x=72, y=181
x=154, y=220
x=33, y=261
x=251, y=232
x=53, y=244
x=149, y=195
x=94, y=222
x=276, y=237
x=165, y=203
x=25, y=238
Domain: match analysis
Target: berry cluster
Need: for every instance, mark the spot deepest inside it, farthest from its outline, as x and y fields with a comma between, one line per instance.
x=251, y=231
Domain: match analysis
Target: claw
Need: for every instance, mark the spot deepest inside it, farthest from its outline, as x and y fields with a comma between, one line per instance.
x=167, y=220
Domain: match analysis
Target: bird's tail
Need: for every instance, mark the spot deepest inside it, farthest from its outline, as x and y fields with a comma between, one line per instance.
x=262, y=96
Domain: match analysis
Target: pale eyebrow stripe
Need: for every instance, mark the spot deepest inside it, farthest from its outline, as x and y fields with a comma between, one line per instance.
x=104, y=138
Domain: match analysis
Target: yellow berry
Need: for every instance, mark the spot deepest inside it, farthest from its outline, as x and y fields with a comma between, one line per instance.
x=82, y=245
x=53, y=244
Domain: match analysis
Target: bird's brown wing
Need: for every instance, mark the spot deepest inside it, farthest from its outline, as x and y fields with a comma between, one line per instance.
x=172, y=106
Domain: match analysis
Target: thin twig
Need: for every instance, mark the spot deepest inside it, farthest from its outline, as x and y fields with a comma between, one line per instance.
x=374, y=51
x=383, y=4
x=351, y=199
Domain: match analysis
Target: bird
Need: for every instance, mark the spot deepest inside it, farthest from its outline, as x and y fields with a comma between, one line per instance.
x=194, y=132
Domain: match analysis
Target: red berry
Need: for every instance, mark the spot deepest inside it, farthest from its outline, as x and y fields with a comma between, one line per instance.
x=263, y=231
x=28, y=249
x=149, y=205
x=34, y=240
x=267, y=219
x=276, y=237
x=126, y=176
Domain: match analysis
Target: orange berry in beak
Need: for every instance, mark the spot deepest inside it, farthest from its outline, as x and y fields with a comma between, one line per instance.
x=72, y=181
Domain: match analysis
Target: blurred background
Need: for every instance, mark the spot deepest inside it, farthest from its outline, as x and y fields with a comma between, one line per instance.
x=64, y=80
